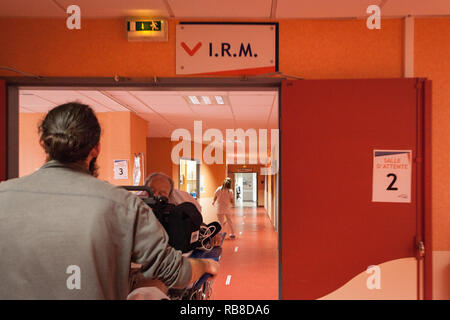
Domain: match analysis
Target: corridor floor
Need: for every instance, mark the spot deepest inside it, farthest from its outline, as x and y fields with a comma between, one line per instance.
x=249, y=264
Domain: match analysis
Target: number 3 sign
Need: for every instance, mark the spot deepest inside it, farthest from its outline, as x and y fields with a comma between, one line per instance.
x=391, y=176
x=120, y=169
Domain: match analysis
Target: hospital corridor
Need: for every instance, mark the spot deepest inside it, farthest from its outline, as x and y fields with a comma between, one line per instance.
x=250, y=262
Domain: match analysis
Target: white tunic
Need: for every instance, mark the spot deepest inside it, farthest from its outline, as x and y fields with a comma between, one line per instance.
x=224, y=200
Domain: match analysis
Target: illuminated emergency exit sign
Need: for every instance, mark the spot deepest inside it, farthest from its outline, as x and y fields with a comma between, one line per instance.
x=226, y=48
x=153, y=25
x=140, y=29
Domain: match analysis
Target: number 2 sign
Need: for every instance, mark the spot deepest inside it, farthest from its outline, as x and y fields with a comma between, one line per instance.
x=391, y=176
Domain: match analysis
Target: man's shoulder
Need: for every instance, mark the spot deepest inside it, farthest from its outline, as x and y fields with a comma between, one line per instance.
x=112, y=192
x=7, y=184
x=70, y=184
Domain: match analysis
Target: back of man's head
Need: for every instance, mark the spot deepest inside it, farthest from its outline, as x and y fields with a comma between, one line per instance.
x=69, y=132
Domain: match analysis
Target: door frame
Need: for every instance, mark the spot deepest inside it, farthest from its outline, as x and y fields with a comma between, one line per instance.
x=242, y=83
x=256, y=186
x=197, y=174
x=427, y=185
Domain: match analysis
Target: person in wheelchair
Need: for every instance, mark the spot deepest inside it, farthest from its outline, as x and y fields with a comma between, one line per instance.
x=162, y=185
x=165, y=200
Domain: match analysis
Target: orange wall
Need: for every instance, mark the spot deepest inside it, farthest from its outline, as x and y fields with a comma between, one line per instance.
x=308, y=48
x=123, y=134
x=213, y=174
x=317, y=49
x=432, y=60
x=158, y=159
x=159, y=155
x=100, y=48
x=31, y=155
x=114, y=144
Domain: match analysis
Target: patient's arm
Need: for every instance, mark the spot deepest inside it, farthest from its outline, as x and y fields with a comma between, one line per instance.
x=202, y=266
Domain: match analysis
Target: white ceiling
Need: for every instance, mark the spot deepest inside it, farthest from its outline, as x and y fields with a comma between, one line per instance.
x=230, y=9
x=166, y=111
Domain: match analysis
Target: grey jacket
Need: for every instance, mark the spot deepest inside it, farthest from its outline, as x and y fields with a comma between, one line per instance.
x=67, y=235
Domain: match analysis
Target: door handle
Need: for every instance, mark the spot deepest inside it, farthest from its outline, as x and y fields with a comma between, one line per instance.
x=421, y=249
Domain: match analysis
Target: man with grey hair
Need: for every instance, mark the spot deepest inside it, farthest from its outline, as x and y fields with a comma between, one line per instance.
x=162, y=185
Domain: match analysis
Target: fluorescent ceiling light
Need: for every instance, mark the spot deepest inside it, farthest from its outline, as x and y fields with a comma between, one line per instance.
x=206, y=100
x=194, y=100
x=219, y=99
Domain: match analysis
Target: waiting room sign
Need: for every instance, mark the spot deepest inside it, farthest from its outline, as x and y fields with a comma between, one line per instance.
x=226, y=48
x=391, y=176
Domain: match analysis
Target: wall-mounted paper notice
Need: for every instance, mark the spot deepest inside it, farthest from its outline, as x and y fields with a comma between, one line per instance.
x=120, y=169
x=202, y=184
x=391, y=176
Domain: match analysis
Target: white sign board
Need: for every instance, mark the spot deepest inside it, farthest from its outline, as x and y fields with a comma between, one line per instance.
x=120, y=169
x=391, y=176
x=226, y=48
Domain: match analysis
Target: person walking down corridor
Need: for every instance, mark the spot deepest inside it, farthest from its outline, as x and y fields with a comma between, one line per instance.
x=224, y=197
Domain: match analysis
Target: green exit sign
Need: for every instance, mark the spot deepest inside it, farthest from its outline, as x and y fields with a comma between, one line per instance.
x=146, y=29
x=153, y=25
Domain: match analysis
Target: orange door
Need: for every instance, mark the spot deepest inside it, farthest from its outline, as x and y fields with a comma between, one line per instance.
x=336, y=243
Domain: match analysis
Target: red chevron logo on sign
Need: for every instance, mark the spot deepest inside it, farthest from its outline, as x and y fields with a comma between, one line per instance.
x=189, y=51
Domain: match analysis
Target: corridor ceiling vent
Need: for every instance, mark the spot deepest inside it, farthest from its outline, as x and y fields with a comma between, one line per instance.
x=147, y=29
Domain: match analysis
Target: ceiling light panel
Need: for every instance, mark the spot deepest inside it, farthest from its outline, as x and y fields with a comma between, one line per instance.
x=194, y=99
x=219, y=99
x=206, y=99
